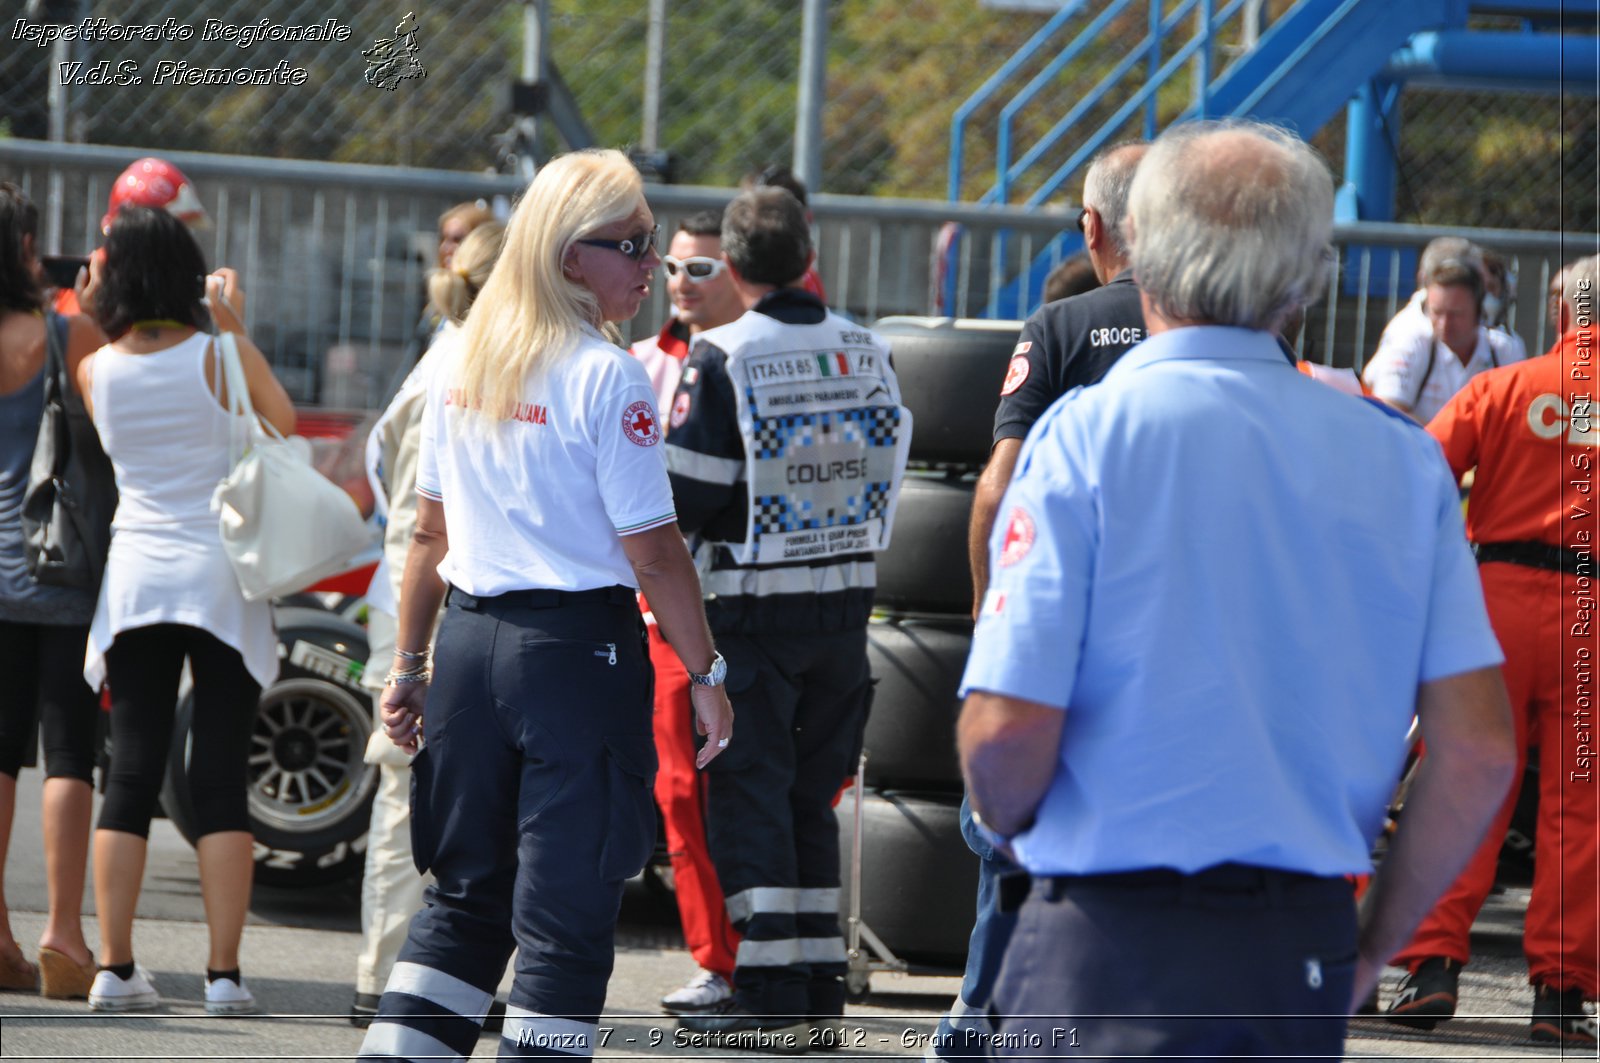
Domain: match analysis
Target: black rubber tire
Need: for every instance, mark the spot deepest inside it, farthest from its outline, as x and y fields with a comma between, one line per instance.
x=925, y=568
x=950, y=371
x=309, y=830
x=919, y=881
x=911, y=732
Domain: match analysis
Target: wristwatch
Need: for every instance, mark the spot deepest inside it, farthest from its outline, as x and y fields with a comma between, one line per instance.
x=714, y=675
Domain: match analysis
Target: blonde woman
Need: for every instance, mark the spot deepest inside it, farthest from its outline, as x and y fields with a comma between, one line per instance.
x=391, y=889
x=543, y=506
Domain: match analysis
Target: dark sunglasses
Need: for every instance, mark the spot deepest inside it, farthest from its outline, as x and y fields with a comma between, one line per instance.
x=698, y=268
x=1083, y=216
x=634, y=247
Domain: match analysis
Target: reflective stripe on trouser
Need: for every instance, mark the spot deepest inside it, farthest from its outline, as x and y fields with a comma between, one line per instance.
x=800, y=704
x=680, y=793
x=1544, y=656
x=531, y=806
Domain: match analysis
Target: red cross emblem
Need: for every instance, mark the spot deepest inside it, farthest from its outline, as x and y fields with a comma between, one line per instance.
x=639, y=425
x=1019, y=538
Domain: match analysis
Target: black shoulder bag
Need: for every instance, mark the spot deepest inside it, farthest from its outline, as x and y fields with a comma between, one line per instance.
x=72, y=491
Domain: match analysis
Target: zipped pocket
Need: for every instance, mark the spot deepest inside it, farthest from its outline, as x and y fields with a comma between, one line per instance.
x=605, y=650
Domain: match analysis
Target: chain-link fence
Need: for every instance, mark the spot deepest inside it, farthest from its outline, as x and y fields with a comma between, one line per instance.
x=896, y=72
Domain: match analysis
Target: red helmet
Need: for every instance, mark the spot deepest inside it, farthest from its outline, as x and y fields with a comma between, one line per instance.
x=153, y=182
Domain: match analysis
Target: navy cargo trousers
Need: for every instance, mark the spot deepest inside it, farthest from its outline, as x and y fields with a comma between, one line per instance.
x=531, y=805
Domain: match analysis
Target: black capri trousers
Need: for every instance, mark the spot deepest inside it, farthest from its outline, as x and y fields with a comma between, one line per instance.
x=43, y=666
x=143, y=667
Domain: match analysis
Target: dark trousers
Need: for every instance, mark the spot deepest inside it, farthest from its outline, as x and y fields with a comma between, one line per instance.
x=143, y=669
x=1231, y=963
x=531, y=805
x=43, y=666
x=800, y=707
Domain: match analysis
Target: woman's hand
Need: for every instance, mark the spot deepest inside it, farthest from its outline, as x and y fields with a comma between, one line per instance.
x=226, y=299
x=401, y=709
x=713, y=717
x=88, y=281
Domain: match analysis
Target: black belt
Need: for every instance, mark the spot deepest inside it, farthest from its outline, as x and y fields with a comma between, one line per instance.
x=1534, y=555
x=543, y=599
x=1248, y=883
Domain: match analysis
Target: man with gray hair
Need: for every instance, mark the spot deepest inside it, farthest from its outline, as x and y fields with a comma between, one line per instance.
x=1153, y=727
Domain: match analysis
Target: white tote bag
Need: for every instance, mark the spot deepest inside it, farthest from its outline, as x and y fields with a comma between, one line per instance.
x=284, y=525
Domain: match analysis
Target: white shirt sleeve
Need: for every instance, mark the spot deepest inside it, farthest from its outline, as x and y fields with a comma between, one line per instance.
x=629, y=455
x=1396, y=372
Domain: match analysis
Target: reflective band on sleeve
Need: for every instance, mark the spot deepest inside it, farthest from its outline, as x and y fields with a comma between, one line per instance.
x=707, y=467
x=445, y=990
x=547, y=1033
x=387, y=1039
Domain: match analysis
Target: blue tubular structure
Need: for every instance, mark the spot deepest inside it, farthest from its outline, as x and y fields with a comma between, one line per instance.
x=1004, y=171
x=1543, y=61
x=958, y=124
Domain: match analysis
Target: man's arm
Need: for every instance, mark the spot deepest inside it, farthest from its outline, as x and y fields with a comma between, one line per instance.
x=1470, y=764
x=1009, y=749
x=985, y=504
x=704, y=452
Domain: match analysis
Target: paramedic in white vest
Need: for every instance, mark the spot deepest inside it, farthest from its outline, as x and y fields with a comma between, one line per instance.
x=786, y=462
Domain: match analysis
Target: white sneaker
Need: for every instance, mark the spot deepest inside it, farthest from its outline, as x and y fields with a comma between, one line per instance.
x=705, y=991
x=110, y=993
x=227, y=997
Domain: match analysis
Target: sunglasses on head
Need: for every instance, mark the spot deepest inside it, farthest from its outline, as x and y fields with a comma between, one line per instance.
x=634, y=247
x=698, y=268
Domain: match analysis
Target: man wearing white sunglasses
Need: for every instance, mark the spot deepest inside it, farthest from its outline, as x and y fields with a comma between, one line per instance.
x=703, y=297
x=702, y=294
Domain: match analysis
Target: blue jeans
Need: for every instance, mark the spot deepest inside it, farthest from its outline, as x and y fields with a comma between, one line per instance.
x=967, y=1030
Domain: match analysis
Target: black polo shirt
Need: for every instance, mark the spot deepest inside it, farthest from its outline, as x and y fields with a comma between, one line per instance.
x=1067, y=344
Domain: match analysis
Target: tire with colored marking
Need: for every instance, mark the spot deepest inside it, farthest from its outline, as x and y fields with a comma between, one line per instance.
x=309, y=790
x=950, y=372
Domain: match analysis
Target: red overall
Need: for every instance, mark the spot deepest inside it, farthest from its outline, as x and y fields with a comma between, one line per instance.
x=1531, y=429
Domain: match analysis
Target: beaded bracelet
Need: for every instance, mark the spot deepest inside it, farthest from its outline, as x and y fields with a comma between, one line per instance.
x=421, y=675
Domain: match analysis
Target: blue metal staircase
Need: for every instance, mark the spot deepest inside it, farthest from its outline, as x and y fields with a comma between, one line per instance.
x=1317, y=57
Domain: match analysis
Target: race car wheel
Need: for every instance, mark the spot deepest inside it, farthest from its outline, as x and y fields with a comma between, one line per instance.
x=925, y=568
x=950, y=372
x=309, y=791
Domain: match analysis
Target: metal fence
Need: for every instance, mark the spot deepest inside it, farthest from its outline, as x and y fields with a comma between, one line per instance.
x=333, y=257
x=726, y=97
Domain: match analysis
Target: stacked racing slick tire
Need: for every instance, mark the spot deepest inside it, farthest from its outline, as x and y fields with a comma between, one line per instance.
x=918, y=879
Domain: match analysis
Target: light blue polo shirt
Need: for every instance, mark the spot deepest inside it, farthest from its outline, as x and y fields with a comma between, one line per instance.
x=1233, y=579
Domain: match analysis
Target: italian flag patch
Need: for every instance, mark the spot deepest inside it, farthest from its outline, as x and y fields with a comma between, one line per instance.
x=835, y=364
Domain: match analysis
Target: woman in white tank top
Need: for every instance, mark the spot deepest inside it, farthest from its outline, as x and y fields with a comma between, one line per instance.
x=169, y=593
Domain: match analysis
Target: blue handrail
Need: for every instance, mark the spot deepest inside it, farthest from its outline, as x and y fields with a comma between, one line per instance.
x=1090, y=99
x=958, y=124
x=1087, y=36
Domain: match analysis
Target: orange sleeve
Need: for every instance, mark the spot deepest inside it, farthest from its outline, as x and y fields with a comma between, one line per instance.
x=1456, y=426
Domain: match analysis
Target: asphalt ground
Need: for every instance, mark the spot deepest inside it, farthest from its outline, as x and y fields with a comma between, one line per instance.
x=299, y=958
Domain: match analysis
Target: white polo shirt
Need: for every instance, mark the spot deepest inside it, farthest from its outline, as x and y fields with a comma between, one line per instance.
x=543, y=499
x=1399, y=371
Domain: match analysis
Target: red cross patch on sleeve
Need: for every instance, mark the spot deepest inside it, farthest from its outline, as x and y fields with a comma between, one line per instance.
x=680, y=410
x=639, y=425
x=1019, y=537
x=1016, y=373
